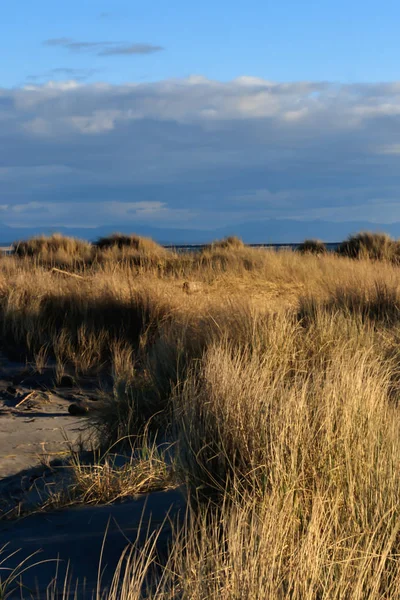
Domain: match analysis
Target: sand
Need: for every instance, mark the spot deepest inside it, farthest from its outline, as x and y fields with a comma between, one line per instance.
x=36, y=430
x=76, y=536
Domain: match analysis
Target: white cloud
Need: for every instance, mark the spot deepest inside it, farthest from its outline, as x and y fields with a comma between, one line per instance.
x=296, y=115
x=197, y=98
x=98, y=122
x=389, y=149
x=197, y=151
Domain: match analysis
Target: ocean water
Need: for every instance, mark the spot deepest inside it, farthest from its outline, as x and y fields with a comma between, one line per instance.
x=331, y=246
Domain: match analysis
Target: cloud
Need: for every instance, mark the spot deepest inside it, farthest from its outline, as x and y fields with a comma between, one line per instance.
x=389, y=149
x=199, y=153
x=131, y=49
x=64, y=73
x=69, y=214
x=103, y=48
x=61, y=41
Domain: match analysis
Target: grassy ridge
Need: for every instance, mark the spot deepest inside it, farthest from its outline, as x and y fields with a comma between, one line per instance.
x=67, y=250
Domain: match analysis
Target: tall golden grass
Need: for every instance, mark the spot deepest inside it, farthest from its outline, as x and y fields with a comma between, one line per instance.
x=377, y=246
x=279, y=383
x=56, y=248
x=132, y=248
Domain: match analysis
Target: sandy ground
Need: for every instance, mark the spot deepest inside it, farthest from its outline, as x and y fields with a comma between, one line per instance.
x=36, y=429
x=36, y=435
x=76, y=536
x=35, y=426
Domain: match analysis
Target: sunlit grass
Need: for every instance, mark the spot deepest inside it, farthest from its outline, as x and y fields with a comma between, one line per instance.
x=277, y=384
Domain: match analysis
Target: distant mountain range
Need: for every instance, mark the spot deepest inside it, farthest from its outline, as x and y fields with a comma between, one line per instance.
x=259, y=232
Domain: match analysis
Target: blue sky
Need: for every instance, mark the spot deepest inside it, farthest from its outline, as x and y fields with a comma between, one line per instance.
x=287, y=40
x=188, y=114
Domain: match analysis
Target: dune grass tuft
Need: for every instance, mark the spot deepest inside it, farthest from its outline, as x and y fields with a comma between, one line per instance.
x=312, y=246
x=136, y=249
x=109, y=477
x=57, y=249
x=376, y=246
x=230, y=242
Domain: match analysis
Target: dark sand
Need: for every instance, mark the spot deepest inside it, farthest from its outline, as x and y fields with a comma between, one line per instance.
x=76, y=536
x=33, y=435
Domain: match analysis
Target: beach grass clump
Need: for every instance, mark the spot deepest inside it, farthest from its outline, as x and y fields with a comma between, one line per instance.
x=297, y=426
x=374, y=246
x=134, y=242
x=231, y=242
x=312, y=246
x=137, y=250
x=56, y=249
x=110, y=477
x=220, y=257
x=238, y=389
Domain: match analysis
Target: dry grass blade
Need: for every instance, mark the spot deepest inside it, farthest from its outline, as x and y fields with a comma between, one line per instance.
x=12, y=583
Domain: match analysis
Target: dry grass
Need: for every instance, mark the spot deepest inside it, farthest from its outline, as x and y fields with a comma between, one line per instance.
x=133, y=249
x=293, y=437
x=279, y=382
x=134, y=242
x=107, y=478
x=376, y=246
x=228, y=243
x=55, y=249
x=11, y=585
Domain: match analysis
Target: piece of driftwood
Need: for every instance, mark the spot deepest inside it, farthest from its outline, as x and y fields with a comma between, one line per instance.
x=61, y=272
x=25, y=398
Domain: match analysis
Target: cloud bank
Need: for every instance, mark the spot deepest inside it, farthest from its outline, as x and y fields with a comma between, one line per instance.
x=198, y=153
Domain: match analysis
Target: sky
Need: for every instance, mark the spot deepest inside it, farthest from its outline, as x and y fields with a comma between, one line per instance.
x=198, y=115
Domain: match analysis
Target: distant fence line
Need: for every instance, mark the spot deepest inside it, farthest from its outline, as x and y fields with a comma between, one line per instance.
x=330, y=246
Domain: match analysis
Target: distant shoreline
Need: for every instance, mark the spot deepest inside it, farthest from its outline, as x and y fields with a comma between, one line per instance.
x=331, y=246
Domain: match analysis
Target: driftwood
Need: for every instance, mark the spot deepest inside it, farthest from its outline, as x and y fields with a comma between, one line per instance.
x=61, y=272
x=25, y=398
